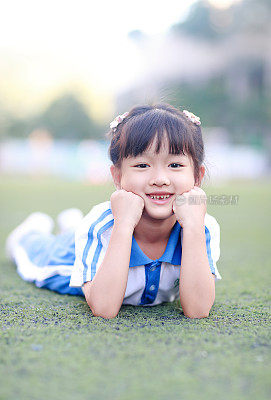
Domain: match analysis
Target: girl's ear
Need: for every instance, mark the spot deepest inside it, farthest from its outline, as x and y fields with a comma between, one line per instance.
x=116, y=175
x=201, y=175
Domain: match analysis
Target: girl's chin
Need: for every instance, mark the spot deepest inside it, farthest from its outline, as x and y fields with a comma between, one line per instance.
x=158, y=214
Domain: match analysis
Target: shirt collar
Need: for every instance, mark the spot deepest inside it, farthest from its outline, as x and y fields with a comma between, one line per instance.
x=172, y=254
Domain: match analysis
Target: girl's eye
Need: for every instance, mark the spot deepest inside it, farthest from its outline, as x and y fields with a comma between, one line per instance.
x=176, y=165
x=140, y=165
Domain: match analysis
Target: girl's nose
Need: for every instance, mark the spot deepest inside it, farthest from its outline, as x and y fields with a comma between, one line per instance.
x=160, y=179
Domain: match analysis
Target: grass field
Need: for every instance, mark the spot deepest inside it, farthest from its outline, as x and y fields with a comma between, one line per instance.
x=51, y=347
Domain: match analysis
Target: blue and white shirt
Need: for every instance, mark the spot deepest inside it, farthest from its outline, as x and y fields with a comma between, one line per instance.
x=150, y=282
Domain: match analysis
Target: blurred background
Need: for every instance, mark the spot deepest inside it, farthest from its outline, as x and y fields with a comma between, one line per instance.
x=67, y=68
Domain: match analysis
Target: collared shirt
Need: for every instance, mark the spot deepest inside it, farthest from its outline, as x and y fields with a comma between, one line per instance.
x=150, y=282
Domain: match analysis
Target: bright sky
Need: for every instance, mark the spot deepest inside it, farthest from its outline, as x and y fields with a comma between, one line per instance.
x=49, y=46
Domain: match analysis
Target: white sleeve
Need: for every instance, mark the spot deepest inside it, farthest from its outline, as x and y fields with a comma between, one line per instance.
x=212, y=235
x=91, y=241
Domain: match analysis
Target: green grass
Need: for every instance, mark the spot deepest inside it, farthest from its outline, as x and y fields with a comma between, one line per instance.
x=51, y=347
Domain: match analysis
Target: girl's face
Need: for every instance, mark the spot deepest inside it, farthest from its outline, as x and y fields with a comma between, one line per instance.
x=150, y=175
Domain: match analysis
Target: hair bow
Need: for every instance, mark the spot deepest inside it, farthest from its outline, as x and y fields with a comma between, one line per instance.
x=118, y=120
x=192, y=117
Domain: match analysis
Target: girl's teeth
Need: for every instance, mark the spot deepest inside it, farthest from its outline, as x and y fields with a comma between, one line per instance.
x=160, y=197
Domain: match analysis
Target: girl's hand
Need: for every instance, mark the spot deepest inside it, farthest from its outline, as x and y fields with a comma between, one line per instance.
x=127, y=207
x=190, y=207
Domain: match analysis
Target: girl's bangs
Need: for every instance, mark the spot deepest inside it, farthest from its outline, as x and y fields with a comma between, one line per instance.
x=140, y=132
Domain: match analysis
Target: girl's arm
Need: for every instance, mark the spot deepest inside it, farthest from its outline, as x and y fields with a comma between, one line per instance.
x=105, y=293
x=197, y=283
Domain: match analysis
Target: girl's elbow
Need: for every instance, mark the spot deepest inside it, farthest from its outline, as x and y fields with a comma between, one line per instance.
x=105, y=315
x=99, y=307
x=195, y=315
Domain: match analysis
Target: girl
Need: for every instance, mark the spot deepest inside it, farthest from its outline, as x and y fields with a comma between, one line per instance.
x=153, y=242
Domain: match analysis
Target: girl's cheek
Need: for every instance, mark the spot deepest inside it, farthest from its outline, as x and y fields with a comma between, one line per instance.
x=187, y=184
x=128, y=185
x=133, y=183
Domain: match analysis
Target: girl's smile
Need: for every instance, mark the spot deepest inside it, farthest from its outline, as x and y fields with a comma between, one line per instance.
x=160, y=197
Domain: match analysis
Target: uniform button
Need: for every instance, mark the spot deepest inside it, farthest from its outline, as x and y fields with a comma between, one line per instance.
x=153, y=268
x=152, y=287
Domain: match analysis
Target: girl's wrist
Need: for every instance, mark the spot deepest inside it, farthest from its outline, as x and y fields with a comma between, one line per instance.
x=193, y=227
x=123, y=226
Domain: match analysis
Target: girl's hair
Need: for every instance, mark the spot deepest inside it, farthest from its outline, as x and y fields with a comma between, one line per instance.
x=144, y=123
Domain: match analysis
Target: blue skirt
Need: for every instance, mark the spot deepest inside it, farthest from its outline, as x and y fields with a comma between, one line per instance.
x=54, y=253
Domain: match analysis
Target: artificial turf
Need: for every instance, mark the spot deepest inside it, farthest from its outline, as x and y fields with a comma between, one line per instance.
x=51, y=346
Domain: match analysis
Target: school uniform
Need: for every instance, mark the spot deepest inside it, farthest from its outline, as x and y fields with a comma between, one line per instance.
x=63, y=263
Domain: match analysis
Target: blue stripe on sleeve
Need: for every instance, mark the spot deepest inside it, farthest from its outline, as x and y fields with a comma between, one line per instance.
x=208, y=247
x=99, y=247
x=90, y=241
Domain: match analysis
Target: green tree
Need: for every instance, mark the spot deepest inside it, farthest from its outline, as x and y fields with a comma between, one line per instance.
x=199, y=22
x=207, y=22
x=66, y=118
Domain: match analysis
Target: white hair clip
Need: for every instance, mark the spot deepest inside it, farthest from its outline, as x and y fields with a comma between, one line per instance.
x=117, y=120
x=192, y=117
